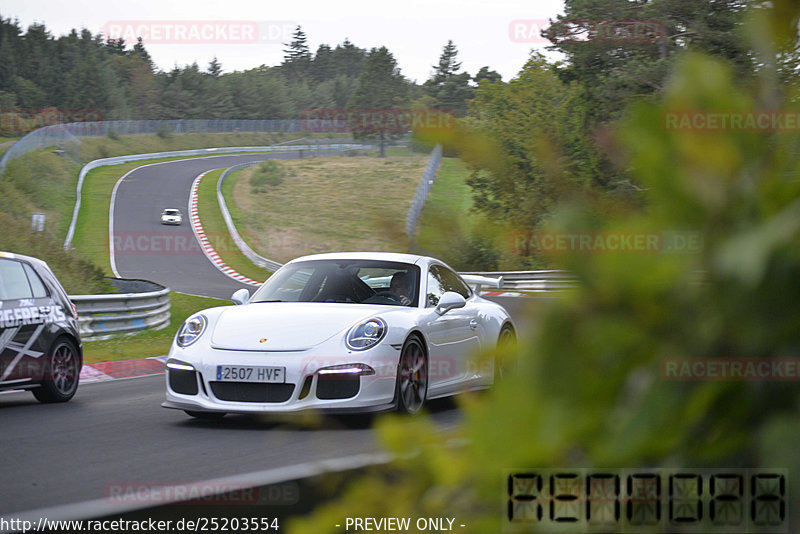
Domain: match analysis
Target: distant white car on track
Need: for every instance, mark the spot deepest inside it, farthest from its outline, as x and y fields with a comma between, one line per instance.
x=344, y=332
x=171, y=216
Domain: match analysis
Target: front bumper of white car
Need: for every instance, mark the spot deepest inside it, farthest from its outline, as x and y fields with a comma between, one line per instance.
x=352, y=382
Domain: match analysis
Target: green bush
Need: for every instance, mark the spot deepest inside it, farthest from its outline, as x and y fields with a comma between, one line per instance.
x=270, y=173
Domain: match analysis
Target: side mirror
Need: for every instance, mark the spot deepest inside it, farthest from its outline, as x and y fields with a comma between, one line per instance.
x=450, y=301
x=240, y=297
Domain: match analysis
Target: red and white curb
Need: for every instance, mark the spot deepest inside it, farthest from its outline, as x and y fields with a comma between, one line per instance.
x=103, y=371
x=208, y=250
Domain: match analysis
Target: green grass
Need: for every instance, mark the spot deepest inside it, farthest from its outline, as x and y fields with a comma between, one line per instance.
x=6, y=143
x=327, y=204
x=150, y=342
x=450, y=229
x=448, y=207
x=217, y=231
x=41, y=182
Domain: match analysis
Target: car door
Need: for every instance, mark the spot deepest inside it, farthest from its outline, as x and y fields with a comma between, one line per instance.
x=25, y=308
x=454, y=337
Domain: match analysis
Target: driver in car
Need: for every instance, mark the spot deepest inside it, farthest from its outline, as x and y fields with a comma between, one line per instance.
x=399, y=286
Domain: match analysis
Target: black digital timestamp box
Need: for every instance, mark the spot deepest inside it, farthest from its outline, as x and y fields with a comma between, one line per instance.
x=646, y=500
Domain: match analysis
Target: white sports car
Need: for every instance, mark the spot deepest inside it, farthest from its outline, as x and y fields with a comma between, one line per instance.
x=171, y=216
x=345, y=332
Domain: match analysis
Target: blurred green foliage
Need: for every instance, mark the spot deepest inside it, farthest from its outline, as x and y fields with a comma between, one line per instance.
x=587, y=390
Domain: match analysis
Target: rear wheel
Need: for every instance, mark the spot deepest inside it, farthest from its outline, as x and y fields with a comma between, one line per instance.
x=506, y=341
x=412, y=377
x=60, y=380
x=209, y=416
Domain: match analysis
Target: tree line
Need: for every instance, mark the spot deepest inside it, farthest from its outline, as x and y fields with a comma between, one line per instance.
x=117, y=81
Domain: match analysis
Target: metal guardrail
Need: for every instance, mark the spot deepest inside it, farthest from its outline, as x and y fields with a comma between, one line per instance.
x=252, y=255
x=422, y=190
x=536, y=281
x=145, y=306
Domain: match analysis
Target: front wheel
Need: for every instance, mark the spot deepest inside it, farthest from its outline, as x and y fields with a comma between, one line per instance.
x=412, y=377
x=60, y=380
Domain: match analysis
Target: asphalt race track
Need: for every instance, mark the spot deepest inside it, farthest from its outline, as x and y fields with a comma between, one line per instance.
x=113, y=434
x=116, y=433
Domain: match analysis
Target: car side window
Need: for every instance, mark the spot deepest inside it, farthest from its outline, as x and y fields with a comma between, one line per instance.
x=453, y=282
x=436, y=287
x=37, y=286
x=13, y=281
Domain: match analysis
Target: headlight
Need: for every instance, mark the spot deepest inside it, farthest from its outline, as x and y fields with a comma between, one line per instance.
x=366, y=335
x=192, y=329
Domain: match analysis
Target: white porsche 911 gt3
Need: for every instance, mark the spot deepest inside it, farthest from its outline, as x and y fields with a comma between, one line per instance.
x=344, y=332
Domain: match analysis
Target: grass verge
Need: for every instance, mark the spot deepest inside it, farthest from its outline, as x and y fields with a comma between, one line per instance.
x=449, y=227
x=327, y=204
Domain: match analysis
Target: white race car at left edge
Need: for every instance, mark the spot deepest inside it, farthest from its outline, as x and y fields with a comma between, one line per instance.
x=344, y=332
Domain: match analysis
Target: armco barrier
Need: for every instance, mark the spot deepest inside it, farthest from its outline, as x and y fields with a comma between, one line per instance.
x=422, y=190
x=251, y=254
x=142, y=305
x=538, y=281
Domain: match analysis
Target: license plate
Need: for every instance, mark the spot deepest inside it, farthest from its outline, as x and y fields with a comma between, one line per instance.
x=248, y=373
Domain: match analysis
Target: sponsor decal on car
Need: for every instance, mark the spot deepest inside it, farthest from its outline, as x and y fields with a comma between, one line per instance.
x=30, y=315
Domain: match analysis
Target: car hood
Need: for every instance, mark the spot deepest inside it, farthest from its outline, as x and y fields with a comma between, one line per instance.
x=286, y=326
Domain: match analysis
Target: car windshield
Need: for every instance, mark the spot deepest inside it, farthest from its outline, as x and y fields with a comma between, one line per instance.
x=353, y=281
x=171, y=212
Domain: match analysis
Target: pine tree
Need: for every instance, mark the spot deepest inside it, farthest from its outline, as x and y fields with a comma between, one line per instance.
x=214, y=68
x=116, y=46
x=348, y=59
x=322, y=67
x=139, y=50
x=447, y=86
x=486, y=74
x=8, y=64
x=297, y=58
x=448, y=66
x=381, y=87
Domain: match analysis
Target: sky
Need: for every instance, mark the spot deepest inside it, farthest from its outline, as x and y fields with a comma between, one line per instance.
x=245, y=34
